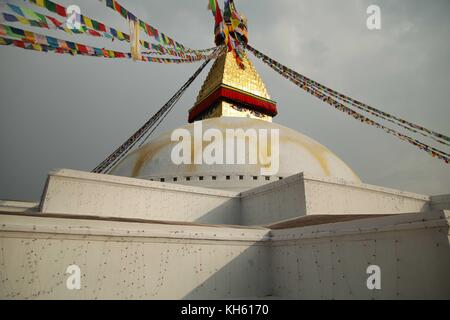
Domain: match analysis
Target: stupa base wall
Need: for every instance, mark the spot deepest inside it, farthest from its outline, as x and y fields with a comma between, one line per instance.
x=130, y=260
x=305, y=195
x=83, y=193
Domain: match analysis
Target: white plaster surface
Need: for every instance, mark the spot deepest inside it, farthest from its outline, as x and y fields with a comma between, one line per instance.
x=129, y=260
x=81, y=193
x=303, y=194
x=18, y=206
x=76, y=192
x=137, y=239
x=123, y=260
x=297, y=153
x=330, y=261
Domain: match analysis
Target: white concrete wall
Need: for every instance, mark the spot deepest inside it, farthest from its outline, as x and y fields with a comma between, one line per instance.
x=303, y=194
x=333, y=196
x=330, y=261
x=82, y=193
x=124, y=254
x=121, y=260
x=276, y=201
x=18, y=206
x=125, y=260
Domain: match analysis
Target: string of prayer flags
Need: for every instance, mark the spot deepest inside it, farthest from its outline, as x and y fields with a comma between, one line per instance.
x=424, y=131
x=151, y=31
x=62, y=46
x=85, y=51
x=86, y=21
x=46, y=22
x=312, y=87
x=109, y=32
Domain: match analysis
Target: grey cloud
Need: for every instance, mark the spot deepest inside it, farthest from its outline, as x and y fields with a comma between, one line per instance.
x=70, y=112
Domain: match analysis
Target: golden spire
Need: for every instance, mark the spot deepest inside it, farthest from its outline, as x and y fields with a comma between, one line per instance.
x=230, y=90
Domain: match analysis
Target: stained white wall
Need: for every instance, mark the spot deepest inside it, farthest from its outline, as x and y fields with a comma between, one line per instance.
x=124, y=254
x=330, y=261
x=121, y=260
x=82, y=193
x=125, y=260
x=302, y=195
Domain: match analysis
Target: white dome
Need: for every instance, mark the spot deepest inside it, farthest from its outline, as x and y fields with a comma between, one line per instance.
x=298, y=153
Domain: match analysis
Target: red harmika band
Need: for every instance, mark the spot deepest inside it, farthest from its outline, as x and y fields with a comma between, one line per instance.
x=251, y=102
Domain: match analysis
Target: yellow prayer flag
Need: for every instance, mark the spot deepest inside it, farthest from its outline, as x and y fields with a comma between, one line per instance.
x=88, y=23
x=29, y=36
x=22, y=20
x=40, y=3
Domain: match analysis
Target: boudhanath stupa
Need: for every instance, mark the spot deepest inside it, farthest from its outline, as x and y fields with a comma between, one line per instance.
x=152, y=229
x=290, y=221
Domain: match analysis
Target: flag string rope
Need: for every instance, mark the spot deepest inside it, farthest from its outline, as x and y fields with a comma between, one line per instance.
x=32, y=18
x=309, y=87
x=317, y=93
x=339, y=106
x=101, y=27
x=29, y=17
x=151, y=31
x=148, y=29
x=85, y=51
x=150, y=126
x=49, y=43
x=382, y=116
x=345, y=98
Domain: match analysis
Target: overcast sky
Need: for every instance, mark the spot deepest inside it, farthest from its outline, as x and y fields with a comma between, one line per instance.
x=59, y=111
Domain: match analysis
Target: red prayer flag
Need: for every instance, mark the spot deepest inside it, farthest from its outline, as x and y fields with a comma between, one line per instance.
x=218, y=15
x=60, y=10
x=82, y=48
